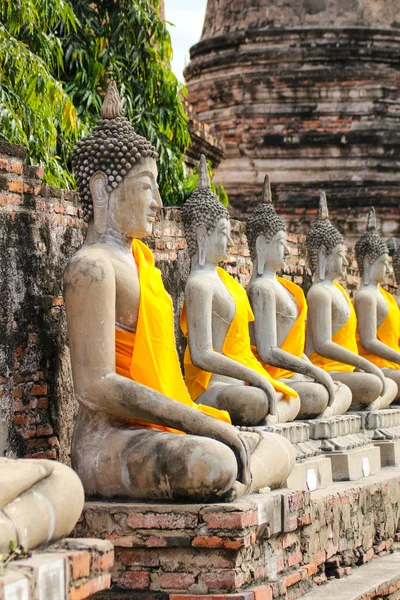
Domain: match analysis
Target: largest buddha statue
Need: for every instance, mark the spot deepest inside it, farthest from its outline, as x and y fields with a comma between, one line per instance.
x=332, y=323
x=138, y=434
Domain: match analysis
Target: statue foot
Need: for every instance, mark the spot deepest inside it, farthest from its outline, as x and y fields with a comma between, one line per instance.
x=328, y=412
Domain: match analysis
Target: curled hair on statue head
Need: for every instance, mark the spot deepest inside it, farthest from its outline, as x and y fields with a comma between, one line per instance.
x=321, y=233
x=201, y=208
x=264, y=220
x=369, y=244
x=113, y=147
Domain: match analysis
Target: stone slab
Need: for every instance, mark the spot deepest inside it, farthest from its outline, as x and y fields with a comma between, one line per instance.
x=390, y=452
x=297, y=433
x=381, y=424
x=355, y=464
x=312, y=474
x=378, y=579
x=333, y=427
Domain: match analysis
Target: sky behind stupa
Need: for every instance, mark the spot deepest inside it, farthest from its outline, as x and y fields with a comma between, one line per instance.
x=187, y=17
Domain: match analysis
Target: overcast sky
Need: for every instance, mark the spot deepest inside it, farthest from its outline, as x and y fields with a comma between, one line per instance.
x=187, y=17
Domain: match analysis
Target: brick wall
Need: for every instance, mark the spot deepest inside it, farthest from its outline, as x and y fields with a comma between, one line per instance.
x=40, y=229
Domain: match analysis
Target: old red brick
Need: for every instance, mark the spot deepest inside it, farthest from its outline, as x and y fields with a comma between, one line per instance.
x=176, y=581
x=135, y=580
x=231, y=520
x=162, y=520
x=90, y=587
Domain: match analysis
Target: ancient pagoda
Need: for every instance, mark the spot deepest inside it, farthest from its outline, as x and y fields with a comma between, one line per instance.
x=309, y=91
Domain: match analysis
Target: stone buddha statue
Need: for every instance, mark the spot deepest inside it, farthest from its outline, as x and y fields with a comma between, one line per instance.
x=138, y=434
x=280, y=311
x=40, y=501
x=220, y=368
x=378, y=315
x=331, y=329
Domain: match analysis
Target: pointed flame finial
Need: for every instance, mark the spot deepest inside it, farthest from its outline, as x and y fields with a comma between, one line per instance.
x=203, y=182
x=323, y=212
x=371, y=223
x=112, y=105
x=266, y=193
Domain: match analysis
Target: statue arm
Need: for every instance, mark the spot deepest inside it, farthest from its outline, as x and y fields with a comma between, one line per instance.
x=320, y=306
x=366, y=309
x=199, y=299
x=264, y=307
x=89, y=290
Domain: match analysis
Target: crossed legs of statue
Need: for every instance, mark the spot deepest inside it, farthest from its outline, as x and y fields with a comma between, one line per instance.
x=248, y=405
x=395, y=375
x=46, y=511
x=366, y=389
x=158, y=465
x=314, y=398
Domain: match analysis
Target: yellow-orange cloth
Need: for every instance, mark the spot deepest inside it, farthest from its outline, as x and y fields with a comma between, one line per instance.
x=236, y=345
x=387, y=333
x=345, y=337
x=296, y=338
x=149, y=356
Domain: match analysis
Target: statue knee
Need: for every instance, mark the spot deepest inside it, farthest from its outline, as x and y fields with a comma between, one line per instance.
x=288, y=409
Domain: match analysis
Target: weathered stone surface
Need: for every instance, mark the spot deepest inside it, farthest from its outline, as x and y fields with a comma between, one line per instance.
x=288, y=541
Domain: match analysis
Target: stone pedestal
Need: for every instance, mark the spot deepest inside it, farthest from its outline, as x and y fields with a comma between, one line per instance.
x=72, y=569
x=274, y=545
x=382, y=427
x=342, y=438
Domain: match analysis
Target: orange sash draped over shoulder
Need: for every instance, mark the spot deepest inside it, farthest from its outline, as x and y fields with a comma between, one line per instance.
x=149, y=356
x=296, y=338
x=345, y=337
x=236, y=346
x=387, y=333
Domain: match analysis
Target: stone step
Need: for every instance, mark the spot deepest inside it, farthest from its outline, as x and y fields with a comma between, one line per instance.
x=380, y=578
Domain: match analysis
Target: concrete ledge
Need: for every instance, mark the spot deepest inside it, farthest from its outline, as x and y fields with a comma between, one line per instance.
x=72, y=569
x=282, y=542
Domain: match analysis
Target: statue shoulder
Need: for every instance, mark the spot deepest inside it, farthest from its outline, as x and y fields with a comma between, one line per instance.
x=319, y=292
x=90, y=265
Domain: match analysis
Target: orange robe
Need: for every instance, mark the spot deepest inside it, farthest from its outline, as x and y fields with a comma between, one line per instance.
x=345, y=337
x=149, y=356
x=236, y=346
x=387, y=332
x=296, y=338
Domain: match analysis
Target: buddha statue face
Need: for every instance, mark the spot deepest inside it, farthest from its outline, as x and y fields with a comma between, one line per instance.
x=335, y=261
x=130, y=208
x=372, y=254
x=206, y=222
x=116, y=172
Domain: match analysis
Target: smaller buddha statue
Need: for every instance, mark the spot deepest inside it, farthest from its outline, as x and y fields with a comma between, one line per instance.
x=220, y=368
x=280, y=311
x=378, y=316
x=138, y=434
x=331, y=329
x=40, y=502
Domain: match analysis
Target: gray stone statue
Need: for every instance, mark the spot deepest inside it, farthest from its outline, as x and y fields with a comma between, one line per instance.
x=378, y=315
x=280, y=311
x=40, y=501
x=331, y=329
x=129, y=438
x=396, y=271
x=220, y=369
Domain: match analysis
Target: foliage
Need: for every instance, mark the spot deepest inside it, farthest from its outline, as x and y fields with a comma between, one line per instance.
x=16, y=552
x=190, y=185
x=56, y=58
x=35, y=110
x=128, y=42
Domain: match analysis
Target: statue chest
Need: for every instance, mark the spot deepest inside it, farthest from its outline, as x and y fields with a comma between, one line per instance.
x=127, y=296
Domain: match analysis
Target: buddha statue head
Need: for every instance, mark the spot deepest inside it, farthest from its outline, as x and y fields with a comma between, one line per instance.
x=116, y=172
x=325, y=246
x=266, y=234
x=396, y=264
x=206, y=222
x=372, y=253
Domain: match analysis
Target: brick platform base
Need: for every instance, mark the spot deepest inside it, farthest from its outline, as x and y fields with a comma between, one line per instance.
x=275, y=545
x=72, y=569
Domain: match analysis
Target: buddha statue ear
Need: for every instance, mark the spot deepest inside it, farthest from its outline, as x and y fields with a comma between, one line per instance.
x=202, y=244
x=97, y=184
x=261, y=247
x=321, y=267
x=367, y=269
